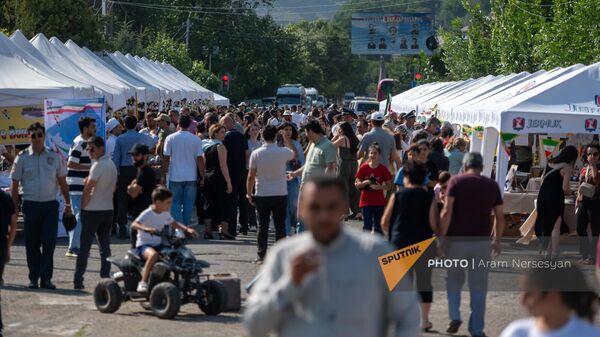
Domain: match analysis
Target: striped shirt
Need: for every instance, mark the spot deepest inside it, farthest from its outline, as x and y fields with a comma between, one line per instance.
x=78, y=154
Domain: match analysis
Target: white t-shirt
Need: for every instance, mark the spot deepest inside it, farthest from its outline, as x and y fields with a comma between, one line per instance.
x=150, y=218
x=184, y=149
x=298, y=119
x=104, y=173
x=110, y=144
x=527, y=328
x=270, y=162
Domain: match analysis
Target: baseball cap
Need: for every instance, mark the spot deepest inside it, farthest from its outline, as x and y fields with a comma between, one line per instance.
x=377, y=116
x=162, y=118
x=139, y=149
x=287, y=113
x=111, y=124
x=411, y=115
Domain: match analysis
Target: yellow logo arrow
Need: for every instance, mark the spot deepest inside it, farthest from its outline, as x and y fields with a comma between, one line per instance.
x=397, y=263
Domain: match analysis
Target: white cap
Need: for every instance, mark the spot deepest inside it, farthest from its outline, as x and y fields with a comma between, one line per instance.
x=287, y=113
x=111, y=124
x=377, y=116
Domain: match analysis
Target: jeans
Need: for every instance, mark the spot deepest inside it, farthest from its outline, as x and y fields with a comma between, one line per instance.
x=98, y=224
x=478, y=281
x=41, y=226
x=75, y=234
x=372, y=218
x=293, y=188
x=184, y=197
x=126, y=176
x=266, y=206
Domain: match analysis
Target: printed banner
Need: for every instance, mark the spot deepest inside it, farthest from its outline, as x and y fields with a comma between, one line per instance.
x=393, y=34
x=14, y=122
x=61, y=117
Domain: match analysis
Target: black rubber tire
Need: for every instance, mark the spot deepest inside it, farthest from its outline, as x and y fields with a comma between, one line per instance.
x=108, y=296
x=212, y=297
x=165, y=300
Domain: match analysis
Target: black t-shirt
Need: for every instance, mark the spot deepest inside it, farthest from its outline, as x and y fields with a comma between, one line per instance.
x=147, y=179
x=410, y=217
x=236, y=145
x=7, y=209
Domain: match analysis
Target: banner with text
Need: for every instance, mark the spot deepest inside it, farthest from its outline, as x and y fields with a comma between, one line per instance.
x=14, y=122
x=393, y=34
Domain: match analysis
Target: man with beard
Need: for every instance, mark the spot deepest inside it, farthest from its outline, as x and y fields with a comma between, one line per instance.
x=141, y=188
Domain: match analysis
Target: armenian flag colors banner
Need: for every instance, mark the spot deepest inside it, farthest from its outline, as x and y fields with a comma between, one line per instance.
x=61, y=118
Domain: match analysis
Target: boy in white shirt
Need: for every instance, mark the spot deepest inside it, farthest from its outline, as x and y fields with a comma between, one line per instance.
x=149, y=223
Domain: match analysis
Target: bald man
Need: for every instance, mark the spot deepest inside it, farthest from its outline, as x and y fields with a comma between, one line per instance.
x=237, y=157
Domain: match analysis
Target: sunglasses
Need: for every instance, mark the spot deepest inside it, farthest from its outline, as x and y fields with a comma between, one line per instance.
x=35, y=135
x=594, y=154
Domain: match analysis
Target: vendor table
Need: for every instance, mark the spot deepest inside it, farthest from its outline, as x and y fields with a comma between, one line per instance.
x=524, y=203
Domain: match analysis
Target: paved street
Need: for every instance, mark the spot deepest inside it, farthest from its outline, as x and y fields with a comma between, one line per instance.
x=65, y=312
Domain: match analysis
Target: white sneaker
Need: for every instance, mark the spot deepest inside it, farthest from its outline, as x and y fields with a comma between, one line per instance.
x=142, y=287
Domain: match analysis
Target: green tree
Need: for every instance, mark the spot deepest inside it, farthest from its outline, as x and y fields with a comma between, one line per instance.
x=165, y=49
x=199, y=74
x=65, y=19
x=126, y=40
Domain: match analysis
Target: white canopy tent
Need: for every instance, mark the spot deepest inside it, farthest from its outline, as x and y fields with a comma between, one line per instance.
x=36, y=60
x=220, y=100
x=166, y=92
x=21, y=84
x=203, y=93
x=61, y=60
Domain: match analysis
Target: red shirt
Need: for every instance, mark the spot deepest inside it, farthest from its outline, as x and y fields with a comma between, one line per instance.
x=380, y=174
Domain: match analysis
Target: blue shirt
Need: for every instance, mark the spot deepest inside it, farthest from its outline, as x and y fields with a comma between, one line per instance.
x=124, y=144
x=399, y=179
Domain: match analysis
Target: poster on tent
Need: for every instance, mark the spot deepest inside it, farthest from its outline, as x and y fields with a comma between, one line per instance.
x=61, y=118
x=14, y=122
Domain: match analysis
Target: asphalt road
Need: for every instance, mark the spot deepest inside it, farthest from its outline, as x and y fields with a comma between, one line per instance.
x=65, y=312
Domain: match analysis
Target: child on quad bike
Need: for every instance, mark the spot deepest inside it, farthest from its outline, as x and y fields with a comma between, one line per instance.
x=149, y=222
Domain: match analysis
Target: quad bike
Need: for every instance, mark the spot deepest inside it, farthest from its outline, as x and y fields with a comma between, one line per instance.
x=176, y=279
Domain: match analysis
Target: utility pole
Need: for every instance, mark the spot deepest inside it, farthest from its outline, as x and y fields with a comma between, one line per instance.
x=187, y=32
x=381, y=68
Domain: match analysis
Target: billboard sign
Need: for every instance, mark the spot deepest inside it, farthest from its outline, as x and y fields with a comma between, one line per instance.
x=393, y=34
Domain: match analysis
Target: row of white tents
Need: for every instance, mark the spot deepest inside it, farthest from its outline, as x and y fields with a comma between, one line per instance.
x=47, y=68
x=558, y=101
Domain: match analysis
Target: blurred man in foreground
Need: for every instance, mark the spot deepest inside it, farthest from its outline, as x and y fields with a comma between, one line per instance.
x=327, y=280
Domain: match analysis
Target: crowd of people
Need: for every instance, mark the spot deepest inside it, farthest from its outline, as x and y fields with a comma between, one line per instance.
x=244, y=168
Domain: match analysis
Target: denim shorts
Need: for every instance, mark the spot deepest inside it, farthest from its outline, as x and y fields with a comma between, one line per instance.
x=139, y=251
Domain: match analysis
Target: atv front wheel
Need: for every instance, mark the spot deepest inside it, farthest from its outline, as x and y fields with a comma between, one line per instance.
x=212, y=297
x=165, y=300
x=108, y=296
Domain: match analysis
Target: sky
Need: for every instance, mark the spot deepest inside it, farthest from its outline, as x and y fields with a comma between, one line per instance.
x=293, y=10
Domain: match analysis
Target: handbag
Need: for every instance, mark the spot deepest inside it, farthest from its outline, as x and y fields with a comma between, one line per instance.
x=586, y=189
x=69, y=221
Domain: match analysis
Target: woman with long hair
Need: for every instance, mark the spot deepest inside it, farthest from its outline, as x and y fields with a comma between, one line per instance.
x=551, y=199
x=347, y=143
x=588, y=205
x=218, y=183
x=455, y=151
x=560, y=302
x=289, y=138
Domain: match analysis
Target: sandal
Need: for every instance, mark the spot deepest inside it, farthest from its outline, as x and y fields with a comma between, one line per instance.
x=427, y=327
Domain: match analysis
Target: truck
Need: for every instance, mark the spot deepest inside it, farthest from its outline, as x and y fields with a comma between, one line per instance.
x=292, y=94
x=313, y=94
x=364, y=105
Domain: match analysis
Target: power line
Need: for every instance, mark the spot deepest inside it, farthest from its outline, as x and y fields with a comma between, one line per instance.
x=202, y=11
x=531, y=13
